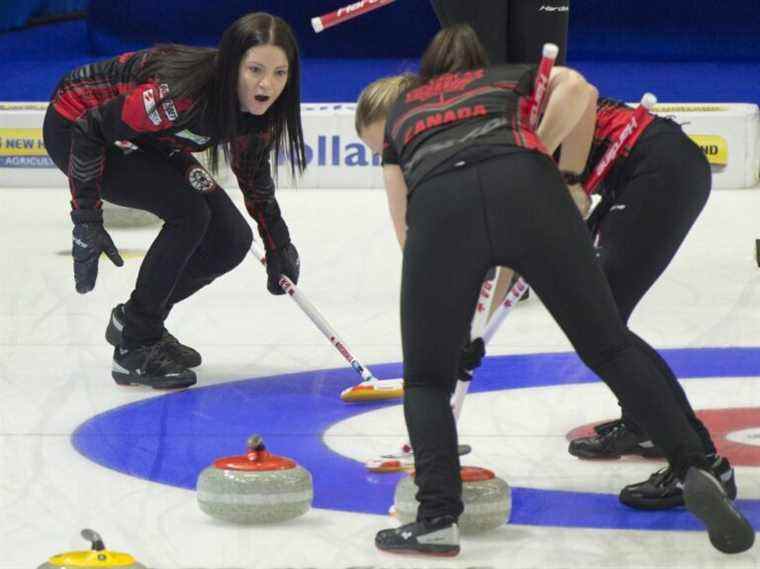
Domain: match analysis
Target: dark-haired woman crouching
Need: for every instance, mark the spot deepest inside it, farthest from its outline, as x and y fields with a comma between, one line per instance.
x=124, y=130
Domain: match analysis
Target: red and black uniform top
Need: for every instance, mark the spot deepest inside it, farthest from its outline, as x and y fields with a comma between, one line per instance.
x=109, y=107
x=468, y=116
x=612, y=118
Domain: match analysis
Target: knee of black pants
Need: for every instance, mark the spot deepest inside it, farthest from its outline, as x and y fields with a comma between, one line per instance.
x=435, y=371
x=227, y=249
x=240, y=245
x=597, y=353
x=236, y=247
x=192, y=217
x=619, y=277
x=445, y=383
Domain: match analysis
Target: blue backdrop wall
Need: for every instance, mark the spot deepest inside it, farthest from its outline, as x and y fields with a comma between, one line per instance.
x=16, y=13
x=679, y=30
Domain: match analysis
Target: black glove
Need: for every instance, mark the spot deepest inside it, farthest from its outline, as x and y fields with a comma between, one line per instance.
x=471, y=358
x=282, y=261
x=90, y=239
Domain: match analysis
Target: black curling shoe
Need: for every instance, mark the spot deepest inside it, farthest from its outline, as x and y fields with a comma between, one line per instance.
x=437, y=537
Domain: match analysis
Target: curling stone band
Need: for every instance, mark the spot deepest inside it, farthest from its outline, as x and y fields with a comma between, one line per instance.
x=487, y=500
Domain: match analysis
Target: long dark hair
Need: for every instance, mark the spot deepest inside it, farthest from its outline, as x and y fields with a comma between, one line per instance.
x=453, y=49
x=209, y=78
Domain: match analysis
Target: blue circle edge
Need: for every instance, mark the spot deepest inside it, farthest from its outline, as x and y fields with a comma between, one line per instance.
x=171, y=438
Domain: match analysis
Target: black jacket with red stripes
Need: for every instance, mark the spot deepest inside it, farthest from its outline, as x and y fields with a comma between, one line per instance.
x=108, y=106
x=469, y=116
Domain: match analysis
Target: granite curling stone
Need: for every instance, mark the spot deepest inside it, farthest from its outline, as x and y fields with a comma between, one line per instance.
x=487, y=500
x=97, y=557
x=257, y=488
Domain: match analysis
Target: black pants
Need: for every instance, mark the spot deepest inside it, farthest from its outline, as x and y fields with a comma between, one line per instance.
x=653, y=203
x=512, y=31
x=204, y=234
x=513, y=211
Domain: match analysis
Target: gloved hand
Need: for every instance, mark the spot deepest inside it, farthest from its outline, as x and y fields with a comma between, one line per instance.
x=470, y=359
x=282, y=261
x=89, y=240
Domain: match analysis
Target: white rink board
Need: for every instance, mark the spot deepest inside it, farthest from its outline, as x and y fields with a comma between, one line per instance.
x=728, y=133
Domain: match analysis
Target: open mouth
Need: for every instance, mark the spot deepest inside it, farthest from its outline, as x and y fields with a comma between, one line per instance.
x=261, y=98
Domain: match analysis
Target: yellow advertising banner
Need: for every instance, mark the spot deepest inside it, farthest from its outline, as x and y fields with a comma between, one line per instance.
x=23, y=148
x=714, y=147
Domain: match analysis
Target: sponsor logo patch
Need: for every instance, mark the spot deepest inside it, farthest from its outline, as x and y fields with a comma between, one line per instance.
x=196, y=138
x=149, y=102
x=126, y=146
x=200, y=179
x=548, y=8
x=167, y=104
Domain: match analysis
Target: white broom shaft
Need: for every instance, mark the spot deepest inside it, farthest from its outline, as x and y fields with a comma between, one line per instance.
x=512, y=297
x=483, y=306
x=479, y=321
x=316, y=317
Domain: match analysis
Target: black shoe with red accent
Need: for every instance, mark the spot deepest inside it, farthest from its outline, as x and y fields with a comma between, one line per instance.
x=663, y=490
x=437, y=537
x=613, y=440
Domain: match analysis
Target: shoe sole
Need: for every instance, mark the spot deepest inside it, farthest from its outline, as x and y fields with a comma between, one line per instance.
x=729, y=530
x=643, y=453
x=428, y=551
x=652, y=505
x=129, y=380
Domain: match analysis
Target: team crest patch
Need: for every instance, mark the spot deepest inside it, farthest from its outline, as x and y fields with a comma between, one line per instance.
x=200, y=179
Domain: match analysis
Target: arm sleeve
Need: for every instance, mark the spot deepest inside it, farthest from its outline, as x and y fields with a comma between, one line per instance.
x=143, y=110
x=251, y=165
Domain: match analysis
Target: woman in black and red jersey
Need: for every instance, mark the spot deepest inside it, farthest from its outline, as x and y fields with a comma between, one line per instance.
x=471, y=186
x=124, y=130
x=651, y=198
x=511, y=31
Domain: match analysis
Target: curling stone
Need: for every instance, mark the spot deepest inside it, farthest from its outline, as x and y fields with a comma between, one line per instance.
x=256, y=488
x=487, y=500
x=97, y=557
